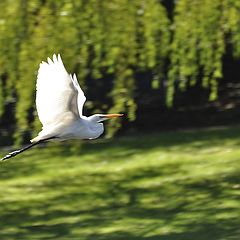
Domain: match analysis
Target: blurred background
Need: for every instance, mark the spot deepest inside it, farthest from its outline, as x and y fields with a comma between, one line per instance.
x=165, y=64
x=172, y=172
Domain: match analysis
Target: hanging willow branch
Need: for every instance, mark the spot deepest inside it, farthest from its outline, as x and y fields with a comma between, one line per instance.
x=201, y=31
x=97, y=39
x=108, y=44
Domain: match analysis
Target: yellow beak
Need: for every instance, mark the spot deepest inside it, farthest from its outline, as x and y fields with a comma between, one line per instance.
x=114, y=115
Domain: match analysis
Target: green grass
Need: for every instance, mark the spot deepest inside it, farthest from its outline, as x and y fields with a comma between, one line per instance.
x=171, y=186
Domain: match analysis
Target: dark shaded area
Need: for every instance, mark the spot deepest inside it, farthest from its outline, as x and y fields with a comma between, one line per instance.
x=192, y=107
x=169, y=5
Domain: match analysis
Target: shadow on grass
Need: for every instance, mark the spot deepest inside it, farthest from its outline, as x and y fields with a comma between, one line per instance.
x=191, y=209
x=114, y=206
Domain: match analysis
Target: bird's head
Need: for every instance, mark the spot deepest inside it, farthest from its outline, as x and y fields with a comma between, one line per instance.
x=102, y=117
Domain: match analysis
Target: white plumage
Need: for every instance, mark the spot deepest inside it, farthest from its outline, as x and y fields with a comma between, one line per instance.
x=59, y=102
x=58, y=93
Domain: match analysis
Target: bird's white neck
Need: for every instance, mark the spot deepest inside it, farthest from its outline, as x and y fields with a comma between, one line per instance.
x=95, y=129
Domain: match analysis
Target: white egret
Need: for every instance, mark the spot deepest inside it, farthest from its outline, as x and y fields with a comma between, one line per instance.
x=59, y=102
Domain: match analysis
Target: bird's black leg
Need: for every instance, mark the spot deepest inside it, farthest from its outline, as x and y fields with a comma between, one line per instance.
x=16, y=152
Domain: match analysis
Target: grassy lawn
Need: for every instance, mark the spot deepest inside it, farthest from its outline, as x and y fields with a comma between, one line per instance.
x=171, y=186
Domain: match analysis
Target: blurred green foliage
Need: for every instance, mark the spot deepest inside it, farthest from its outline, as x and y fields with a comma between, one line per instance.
x=201, y=31
x=107, y=44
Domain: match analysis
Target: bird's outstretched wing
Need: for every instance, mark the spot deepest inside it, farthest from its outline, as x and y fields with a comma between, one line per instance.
x=59, y=95
x=80, y=97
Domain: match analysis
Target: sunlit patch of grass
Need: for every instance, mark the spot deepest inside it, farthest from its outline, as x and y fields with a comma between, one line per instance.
x=179, y=185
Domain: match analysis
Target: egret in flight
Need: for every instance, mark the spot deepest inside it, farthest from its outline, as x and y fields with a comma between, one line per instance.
x=59, y=102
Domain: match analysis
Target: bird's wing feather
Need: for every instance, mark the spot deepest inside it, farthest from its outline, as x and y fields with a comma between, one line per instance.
x=58, y=93
x=81, y=97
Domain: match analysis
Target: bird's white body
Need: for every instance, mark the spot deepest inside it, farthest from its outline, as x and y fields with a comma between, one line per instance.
x=71, y=129
x=60, y=101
